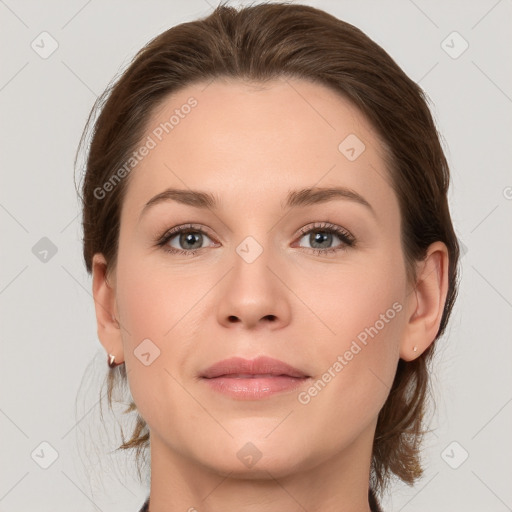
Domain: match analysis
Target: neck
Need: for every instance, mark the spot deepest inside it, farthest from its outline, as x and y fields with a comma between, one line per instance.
x=337, y=482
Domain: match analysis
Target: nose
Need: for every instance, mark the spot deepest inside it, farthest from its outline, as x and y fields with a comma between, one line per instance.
x=254, y=295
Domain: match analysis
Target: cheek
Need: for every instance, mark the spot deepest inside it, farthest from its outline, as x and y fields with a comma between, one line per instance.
x=356, y=372
x=362, y=315
x=153, y=305
x=347, y=301
x=153, y=300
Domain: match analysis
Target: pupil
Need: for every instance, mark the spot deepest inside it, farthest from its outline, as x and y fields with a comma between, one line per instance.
x=322, y=236
x=189, y=238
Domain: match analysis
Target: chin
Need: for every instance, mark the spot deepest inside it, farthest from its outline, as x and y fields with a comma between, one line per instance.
x=255, y=457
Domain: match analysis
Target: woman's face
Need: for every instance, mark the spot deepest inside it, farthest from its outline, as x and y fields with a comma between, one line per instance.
x=262, y=272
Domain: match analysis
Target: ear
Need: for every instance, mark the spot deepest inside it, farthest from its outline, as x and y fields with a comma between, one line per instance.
x=426, y=304
x=109, y=331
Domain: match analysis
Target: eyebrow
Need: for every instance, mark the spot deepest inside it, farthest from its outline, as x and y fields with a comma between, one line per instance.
x=295, y=198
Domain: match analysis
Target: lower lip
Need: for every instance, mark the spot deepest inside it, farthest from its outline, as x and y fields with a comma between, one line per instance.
x=254, y=388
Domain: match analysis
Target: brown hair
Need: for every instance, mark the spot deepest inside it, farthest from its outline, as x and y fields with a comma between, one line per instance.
x=259, y=43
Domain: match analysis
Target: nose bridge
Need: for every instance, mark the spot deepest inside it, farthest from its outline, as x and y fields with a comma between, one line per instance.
x=252, y=292
x=253, y=257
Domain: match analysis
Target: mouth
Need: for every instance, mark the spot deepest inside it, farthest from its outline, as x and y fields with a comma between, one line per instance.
x=244, y=379
x=263, y=366
x=251, y=375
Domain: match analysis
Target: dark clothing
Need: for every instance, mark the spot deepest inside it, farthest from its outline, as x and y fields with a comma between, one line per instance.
x=374, y=506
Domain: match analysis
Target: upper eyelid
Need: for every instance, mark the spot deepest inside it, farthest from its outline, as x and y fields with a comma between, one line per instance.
x=327, y=226
x=319, y=225
x=177, y=230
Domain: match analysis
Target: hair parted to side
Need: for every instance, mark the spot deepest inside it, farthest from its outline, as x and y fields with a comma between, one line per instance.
x=277, y=40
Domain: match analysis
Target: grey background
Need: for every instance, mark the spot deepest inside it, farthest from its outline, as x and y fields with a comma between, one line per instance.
x=48, y=331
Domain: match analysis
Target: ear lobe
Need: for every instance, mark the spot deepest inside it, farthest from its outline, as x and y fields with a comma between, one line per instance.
x=109, y=332
x=427, y=301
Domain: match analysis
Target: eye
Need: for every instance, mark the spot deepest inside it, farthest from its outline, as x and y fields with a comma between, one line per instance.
x=321, y=236
x=183, y=240
x=188, y=239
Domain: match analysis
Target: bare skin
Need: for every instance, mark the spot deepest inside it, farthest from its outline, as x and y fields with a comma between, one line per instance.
x=298, y=301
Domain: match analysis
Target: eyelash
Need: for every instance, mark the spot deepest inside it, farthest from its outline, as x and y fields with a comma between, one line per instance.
x=324, y=227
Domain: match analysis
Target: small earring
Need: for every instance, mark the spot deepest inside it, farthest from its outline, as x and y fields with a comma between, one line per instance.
x=111, y=360
x=415, y=349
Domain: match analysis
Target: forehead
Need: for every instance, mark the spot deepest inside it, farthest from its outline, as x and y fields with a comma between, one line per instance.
x=254, y=141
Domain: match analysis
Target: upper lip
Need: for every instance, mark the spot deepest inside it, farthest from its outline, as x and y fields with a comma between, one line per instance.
x=258, y=366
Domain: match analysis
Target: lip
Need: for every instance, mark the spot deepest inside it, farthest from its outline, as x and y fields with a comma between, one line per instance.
x=253, y=379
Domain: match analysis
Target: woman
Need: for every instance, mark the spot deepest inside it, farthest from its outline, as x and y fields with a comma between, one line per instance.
x=266, y=222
